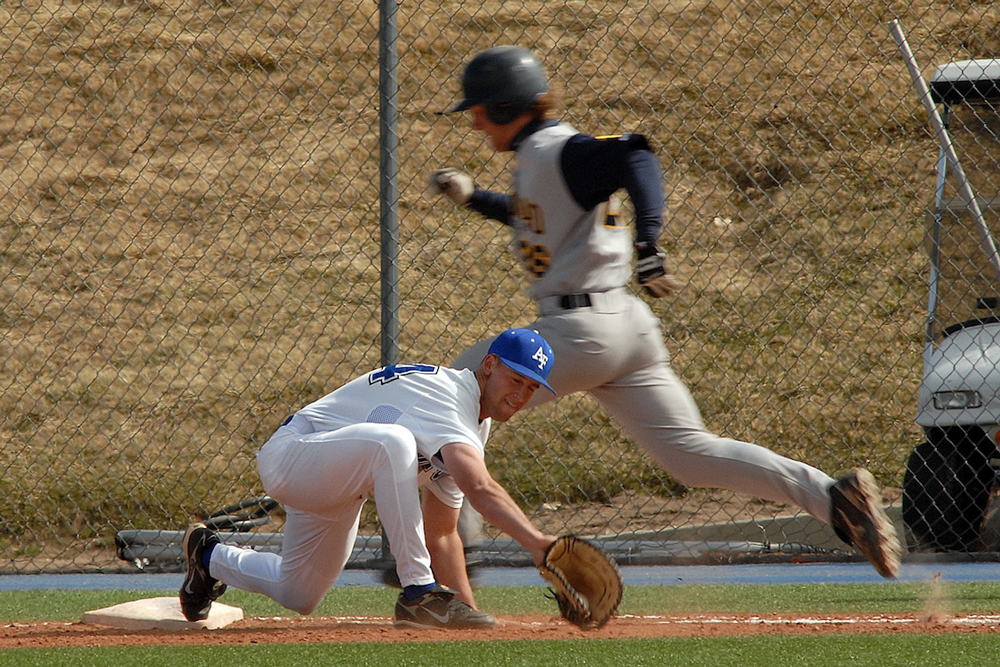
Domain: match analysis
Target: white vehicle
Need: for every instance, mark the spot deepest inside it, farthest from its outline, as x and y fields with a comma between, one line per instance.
x=951, y=478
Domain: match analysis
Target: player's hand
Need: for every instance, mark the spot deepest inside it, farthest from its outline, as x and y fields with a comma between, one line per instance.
x=652, y=273
x=452, y=182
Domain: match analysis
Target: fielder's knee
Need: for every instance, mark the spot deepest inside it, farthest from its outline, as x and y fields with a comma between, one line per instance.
x=302, y=605
x=398, y=443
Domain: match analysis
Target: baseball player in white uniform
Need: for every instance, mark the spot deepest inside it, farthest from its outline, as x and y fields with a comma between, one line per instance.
x=578, y=253
x=384, y=434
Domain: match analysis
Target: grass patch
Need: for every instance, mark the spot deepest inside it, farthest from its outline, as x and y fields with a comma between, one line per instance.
x=28, y=606
x=882, y=650
x=833, y=651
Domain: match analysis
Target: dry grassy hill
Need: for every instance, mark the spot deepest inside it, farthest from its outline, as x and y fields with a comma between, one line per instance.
x=189, y=237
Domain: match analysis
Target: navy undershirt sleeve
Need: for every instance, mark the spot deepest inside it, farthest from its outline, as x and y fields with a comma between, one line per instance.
x=494, y=205
x=595, y=168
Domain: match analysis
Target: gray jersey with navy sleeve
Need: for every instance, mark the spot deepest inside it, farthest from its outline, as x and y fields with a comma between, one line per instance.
x=609, y=343
x=565, y=248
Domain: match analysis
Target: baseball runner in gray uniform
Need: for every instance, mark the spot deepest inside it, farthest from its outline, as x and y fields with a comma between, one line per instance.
x=384, y=434
x=578, y=253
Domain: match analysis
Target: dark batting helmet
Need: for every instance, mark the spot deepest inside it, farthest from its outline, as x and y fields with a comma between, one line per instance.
x=506, y=79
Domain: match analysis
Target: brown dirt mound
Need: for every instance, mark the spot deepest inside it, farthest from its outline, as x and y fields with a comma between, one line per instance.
x=376, y=629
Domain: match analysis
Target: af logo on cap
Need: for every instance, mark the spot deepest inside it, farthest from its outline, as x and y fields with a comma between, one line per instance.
x=540, y=357
x=526, y=352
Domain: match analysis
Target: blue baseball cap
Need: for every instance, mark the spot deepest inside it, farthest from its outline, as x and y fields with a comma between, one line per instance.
x=526, y=352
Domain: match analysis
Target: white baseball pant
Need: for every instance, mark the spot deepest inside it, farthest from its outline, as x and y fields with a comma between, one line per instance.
x=323, y=478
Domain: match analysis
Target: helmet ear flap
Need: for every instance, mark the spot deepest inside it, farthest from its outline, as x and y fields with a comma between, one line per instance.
x=500, y=113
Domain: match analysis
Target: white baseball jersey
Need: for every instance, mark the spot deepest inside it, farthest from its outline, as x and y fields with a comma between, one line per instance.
x=568, y=250
x=378, y=436
x=438, y=405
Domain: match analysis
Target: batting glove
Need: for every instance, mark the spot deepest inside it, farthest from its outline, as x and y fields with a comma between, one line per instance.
x=452, y=182
x=651, y=271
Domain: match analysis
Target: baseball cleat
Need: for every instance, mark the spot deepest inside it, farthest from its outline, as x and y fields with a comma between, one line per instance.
x=199, y=589
x=437, y=609
x=859, y=520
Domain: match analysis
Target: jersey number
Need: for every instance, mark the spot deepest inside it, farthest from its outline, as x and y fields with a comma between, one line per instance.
x=536, y=257
x=390, y=373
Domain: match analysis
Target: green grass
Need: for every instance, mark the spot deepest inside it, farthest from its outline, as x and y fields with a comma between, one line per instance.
x=826, y=650
x=899, y=598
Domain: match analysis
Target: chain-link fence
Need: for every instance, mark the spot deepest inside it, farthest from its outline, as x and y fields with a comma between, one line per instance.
x=191, y=246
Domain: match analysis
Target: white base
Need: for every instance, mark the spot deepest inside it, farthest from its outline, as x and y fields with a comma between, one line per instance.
x=160, y=614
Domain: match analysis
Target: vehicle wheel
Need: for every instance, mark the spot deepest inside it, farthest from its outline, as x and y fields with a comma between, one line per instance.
x=990, y=538
x=946, y=490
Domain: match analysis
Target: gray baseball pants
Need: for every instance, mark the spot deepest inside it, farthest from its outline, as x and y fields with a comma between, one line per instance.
x=614, y=350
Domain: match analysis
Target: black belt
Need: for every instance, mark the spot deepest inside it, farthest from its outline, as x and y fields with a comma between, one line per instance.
x=571, y=301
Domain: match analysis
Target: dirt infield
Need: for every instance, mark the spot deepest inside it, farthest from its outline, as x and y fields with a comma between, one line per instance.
x=376, y=629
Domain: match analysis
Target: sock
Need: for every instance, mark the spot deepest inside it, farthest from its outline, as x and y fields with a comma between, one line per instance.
x=206, y=555
x=413, y=592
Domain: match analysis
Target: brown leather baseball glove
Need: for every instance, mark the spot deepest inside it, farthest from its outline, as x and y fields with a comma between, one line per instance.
x=586, y=583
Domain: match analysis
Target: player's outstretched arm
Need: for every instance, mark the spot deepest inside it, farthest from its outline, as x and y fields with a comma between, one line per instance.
x=467, y=468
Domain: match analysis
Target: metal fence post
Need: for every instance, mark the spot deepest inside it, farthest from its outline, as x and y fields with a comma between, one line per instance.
x=389, y=194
